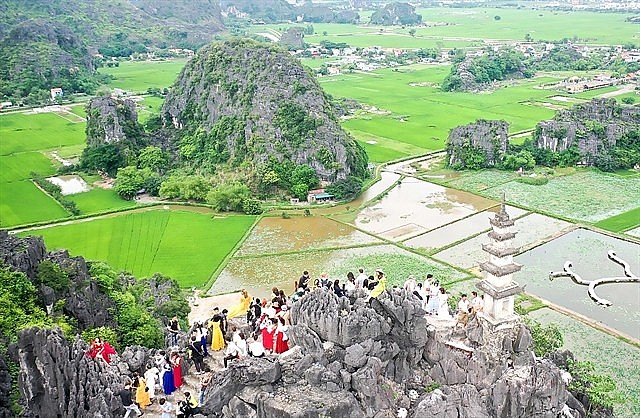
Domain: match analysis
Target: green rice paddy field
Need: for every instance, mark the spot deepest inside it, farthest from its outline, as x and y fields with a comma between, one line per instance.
x=138, y=76
x=145, y=242
x=421, y=115
x=454, y=27
x=21, y=202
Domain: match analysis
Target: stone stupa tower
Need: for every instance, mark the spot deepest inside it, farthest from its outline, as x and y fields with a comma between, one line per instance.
x=498, y=286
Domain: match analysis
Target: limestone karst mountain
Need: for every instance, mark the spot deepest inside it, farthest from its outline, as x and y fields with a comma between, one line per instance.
x=242, y=101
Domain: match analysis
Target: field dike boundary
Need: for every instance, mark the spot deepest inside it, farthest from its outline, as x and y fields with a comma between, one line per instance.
x=225, y=260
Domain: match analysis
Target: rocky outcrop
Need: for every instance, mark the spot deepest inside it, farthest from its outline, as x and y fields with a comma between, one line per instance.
x=477, y=145
x=354, y=357
x=84, y=301
x=242, y=101
x=5, y=388
x=58, y=379
x=396, y=14
x=293, y=38
x=111, y=120
x=593, y=127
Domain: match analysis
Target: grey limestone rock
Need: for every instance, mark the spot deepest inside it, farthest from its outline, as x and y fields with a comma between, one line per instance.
x=111, y=120
x=490, y=137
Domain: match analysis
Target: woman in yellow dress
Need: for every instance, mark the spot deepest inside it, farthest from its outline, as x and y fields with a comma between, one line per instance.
x=242, y=307
x=217, y=339
x=380, y=287
x=142, y=395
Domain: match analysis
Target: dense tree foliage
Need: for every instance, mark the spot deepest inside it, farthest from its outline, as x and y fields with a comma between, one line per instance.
x=546, y=339
x=345, y=189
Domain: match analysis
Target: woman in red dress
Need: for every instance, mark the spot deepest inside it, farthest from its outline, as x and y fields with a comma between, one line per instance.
x=268, y=331
x=101, y=350
x=176, y=362
x=282, y=340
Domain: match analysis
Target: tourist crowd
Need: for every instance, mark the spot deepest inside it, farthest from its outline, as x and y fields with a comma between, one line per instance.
x=266, y=332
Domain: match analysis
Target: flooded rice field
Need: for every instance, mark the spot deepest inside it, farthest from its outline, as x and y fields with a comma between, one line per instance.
x=275, y=235
x=70, y=184
x=260, y=274
x=587, y=250
x=634, y=232
x=416, y=206
x=531, y=228
x=459, y=230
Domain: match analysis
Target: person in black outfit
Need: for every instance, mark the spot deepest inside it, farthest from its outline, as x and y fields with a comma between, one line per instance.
x=174, y=328
x=126, y=396
x=303, y=282
x=224, y=324
x=197, y=354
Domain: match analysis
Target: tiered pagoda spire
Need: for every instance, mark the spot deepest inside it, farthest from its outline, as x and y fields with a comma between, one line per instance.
x=498, y=286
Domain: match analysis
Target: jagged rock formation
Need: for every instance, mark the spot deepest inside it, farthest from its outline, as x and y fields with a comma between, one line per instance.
x=355, y=358
x=83, y=299
x=293, y=38
x=318, y=13
x=241, y=100
x=593, y=127
x=479, y=144
x=5, y=387
x=475, y=73
x=111, y=120
x=396, y=14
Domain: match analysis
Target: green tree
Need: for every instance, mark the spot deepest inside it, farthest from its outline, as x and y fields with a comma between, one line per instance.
x=300, y=191
x=522, y=159
x=347, y=188
x=228, y=197
x=106, y=157
x=195, y=188
x=304, y=174
x=153, y=158
x=129, y=181
x=412, y=32
x=599, y=388
x=546, y=339
x=52, y=275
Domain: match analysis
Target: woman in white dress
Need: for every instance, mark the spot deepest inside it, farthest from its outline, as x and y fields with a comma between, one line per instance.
x=151, y=377
x=443, y=306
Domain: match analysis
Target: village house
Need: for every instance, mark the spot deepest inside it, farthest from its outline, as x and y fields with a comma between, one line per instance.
x=319, y=196
x=56, y=92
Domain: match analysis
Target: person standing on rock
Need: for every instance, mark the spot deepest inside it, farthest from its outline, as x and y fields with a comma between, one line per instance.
x=205, y=381
x=176, y=362
x=215, y=329
x=166, y=407
x=443, y=305
x=151, y=376
x=126, y=396
x=242, y=307
x=303, y=281
x=360, y=279
x=463, y=311
x=282, y=339
x=380, y=286
x=197, y=355
x=168, y=385
x=142, y=392
x=174, y=329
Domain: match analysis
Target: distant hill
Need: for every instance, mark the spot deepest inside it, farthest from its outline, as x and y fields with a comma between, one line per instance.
x=267, y=11
x=396, y=14
x=45, y=44
x=245, y=103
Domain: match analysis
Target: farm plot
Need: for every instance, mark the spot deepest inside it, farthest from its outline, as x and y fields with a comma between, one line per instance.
x=418, y=114
x=138, y=76
x=99, y=200
x=22, y=203
x=589, y=196
x=36, y=132
x=259, y=274
x=274, y=235
x=531, y=228
x=185, y=245
x=19, y=166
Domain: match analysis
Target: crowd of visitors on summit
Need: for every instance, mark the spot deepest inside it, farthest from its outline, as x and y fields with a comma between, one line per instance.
x=265, y=333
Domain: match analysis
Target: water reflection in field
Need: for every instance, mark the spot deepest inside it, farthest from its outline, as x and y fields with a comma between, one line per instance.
x=416, y=206
x=273, y=235
x=587, y=250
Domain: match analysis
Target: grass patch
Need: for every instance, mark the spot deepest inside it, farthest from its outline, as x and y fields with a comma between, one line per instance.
x=622, y=222
x=22, y=132
x=19, y=166
x=99, y=200
x=21, y=202
x=138, y=76
x=187, y=246
x=149, y=106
